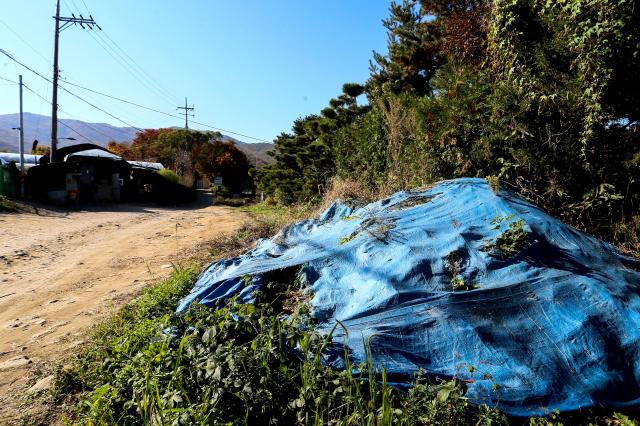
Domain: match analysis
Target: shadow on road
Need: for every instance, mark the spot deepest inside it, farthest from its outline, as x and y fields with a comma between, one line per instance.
x=205, y=199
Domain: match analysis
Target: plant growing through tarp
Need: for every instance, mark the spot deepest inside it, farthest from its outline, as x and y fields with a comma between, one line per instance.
x=378, y=227
x=512, y=240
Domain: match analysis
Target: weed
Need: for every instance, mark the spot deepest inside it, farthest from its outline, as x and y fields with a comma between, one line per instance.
x=240, y=364
x=244, y=364
x=494, y=183
x=345, y=240
x=348, y=191
x=458, y=284
x=6, y=205
x=231, y=202
x=377, y=227
x=512, y=240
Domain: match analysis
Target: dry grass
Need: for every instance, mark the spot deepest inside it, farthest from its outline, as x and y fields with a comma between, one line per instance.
x=346, y=190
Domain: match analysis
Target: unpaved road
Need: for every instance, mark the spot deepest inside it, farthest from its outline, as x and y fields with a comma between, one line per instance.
x=60, y=272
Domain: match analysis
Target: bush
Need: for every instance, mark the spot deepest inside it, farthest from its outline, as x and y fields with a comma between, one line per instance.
x=7, y=205
x=169, y=175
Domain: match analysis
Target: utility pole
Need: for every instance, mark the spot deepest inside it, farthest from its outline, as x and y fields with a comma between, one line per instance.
x=186, y=114
x=21, y=136
x=66, y=22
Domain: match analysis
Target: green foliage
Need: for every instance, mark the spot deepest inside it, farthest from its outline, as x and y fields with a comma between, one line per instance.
x=240, y=364
x=305, y=158
x=512, y=239
x=541, y=95
x=249, y=364
x=190, y=154
x=169, y=175
x=6, y=205
x=459, y=284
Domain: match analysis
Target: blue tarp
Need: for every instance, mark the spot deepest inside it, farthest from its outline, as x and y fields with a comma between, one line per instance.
x=418, y=276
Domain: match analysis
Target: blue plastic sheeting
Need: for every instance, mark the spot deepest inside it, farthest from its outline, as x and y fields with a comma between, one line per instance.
x=555, y=326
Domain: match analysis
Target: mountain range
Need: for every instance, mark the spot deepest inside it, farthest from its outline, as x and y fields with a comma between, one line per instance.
x=38, y=127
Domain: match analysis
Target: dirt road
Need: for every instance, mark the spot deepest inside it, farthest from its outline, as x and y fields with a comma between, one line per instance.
x=60, y=272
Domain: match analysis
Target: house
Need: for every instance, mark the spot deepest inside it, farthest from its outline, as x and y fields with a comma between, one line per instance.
x=84, y=173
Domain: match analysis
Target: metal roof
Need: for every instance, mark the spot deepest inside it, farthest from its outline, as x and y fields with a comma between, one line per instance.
x=146, y=165
x=29, y=159
x=94, y=153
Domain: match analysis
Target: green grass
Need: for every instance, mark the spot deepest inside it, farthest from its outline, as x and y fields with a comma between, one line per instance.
x=240, y=364
x=231, y=202
x=280, y=214
x=247, y=364
x=6, y=205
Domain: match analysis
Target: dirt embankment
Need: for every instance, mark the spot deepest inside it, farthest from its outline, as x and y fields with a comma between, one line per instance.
x=61, y=272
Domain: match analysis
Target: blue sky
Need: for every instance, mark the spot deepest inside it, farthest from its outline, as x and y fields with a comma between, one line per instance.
x=251, y=67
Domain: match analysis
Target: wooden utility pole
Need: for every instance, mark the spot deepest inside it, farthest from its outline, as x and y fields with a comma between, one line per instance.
x=21, y=129
x=186, y=114
x=21, y=142
x=66, y=22
x=21, y=134
x=54, y=97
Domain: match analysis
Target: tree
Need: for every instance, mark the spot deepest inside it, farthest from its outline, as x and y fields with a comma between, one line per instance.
x=40, y=150
x=191, y=154
x=120, y=149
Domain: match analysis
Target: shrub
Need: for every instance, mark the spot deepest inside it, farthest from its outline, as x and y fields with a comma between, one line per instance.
x=7, y=205
x=169, y=175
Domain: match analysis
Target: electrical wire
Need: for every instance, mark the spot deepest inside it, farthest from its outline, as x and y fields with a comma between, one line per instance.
x=135, y=66
x=49, y=102
x=10, y=81
x=162, y=112
x=117, y=57
x=122, y=62
x=4, y=52
x=25, y=41
x=150, y=78
x=59, y=121
x=7, y=54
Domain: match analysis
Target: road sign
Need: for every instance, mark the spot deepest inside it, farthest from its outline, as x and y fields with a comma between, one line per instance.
x=217, y=180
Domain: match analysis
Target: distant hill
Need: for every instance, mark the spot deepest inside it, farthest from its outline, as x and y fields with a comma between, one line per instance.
x=39, y=127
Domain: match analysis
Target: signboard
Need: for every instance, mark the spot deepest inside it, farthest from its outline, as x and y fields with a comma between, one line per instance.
x=217, y=180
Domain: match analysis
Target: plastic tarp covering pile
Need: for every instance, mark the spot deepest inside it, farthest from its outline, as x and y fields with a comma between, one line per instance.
x=553, y=326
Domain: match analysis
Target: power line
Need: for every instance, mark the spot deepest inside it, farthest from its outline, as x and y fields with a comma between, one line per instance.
x=122, y=62
x=121, y=100
x=149, y=76
x=59, y=121
x=164, y=113
x=128, y=62
x=10, y=81
x=226, y=131
x=85, y=6
x=100, y=109
x=25, y=41
x=10, y=56
x=7, y=54
x=229, y=131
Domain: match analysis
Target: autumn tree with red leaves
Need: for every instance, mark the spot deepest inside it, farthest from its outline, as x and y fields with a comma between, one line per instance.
x=190, y=154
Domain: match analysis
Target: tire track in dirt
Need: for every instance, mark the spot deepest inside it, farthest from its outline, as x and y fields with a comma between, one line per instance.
x=61, y=273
